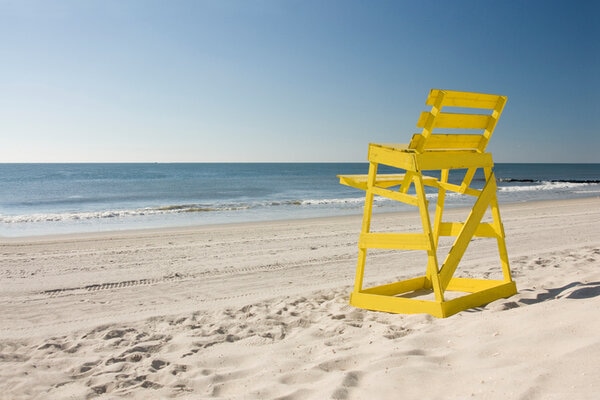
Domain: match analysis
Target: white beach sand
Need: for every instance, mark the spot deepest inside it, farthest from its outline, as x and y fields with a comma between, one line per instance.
x=259, y=311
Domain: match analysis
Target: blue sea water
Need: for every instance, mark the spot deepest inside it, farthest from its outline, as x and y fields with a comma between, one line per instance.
x=66, y=198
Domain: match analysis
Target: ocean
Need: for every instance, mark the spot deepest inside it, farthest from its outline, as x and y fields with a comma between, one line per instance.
x=38, y=199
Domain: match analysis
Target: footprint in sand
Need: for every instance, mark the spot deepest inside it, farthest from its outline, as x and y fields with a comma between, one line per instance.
x=158, y=364
x=351, y=379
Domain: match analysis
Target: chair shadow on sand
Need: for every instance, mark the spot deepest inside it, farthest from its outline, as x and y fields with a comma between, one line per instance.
x=575, y=290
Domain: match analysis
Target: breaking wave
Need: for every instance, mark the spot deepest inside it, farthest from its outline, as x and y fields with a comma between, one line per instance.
x=175, y=209
x=542, y=185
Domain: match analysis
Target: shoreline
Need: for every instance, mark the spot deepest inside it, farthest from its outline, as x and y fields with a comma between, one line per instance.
x=221, y=225
x=260, y=310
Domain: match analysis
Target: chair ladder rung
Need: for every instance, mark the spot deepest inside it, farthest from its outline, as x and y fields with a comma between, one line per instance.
x=394, y=241
x=485, y=229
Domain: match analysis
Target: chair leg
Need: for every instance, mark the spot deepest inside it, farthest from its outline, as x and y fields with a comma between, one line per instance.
x=432, y=271
x=499, y=228
x=366, y=227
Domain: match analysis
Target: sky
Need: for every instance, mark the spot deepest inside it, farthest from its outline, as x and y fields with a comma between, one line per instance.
x=289, y=80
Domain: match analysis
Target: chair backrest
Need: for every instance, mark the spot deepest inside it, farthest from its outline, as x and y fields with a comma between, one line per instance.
x=467, y=127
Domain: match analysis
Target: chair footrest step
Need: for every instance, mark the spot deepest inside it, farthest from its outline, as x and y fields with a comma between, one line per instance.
x=381, y=180
x=360, y=181
x=395, y=241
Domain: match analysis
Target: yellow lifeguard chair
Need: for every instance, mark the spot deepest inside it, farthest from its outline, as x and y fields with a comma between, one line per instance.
x=459, y=146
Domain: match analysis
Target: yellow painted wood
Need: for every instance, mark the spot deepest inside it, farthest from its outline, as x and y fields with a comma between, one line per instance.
x=447, y=142
x=366, y=226
x=472, y=285
x=500, y=103
x=387, y=240
x=484, y=229
x=382, y=183
x=395, y=195
x=454, y=120
x=382, y=180
x=444, y=152
x=432, y=261
x=439, y=207
x=355, y=181
x=452, y=160
x=479, y=298
x=466, y=233
x=392, y=304
x=408, y=180
x=467, y=179
x=453, y=98
x=392, y=156
x=395, y=288
x=458, y=189
x=382, y=299
x=499, y=228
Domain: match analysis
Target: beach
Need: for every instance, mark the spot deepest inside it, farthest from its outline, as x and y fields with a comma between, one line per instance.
x=260, y=310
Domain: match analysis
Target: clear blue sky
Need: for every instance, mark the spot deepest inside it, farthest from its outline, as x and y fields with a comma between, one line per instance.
x=297, y=80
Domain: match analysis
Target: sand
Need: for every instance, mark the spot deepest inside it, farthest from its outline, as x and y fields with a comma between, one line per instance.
x=260, y=311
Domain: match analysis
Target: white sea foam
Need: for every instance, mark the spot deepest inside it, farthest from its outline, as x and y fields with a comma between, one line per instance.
x=75, y=216
x=82, y=197
x=547, y=185
x=173, y=209
x=350, y=201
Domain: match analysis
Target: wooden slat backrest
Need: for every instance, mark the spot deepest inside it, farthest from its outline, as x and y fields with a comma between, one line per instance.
x=464, y=123
x=448, y=141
